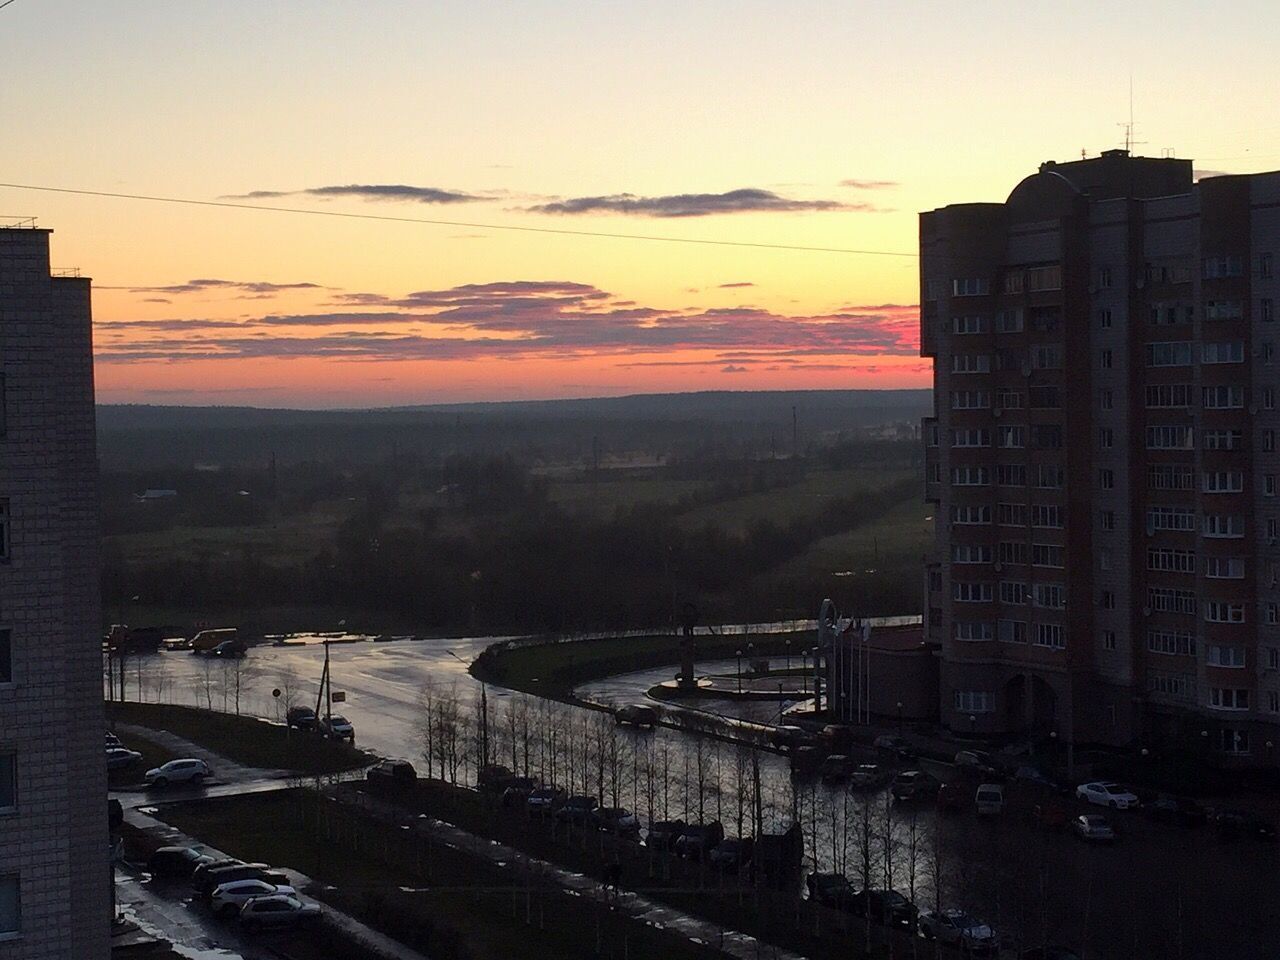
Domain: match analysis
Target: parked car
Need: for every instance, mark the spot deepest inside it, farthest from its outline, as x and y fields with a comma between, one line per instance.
x=493, y=776
x=113, y=740
x=187, y=770
x=120, y=757
x=663, y=834
x=732, y=854
x=517, y=791
x=989, y=800
x=1104, y=793
x=301, y=718
x=207, y=640
x=618, y=821
x=950, y=797
x=175, y=863
x=205, y=882
x=888, y=907
x=391, y=775
x=636, y=715
x=337, y=727
x=1235, y=824
x=914, y=785
x=576, y=810
x=1167, y=808
x=835, y=769
x=806, y=761
x=1094, y=827
x=1050, y=815
x=277, y=911
x=831, y=890
x=868, y=775
x=977, y=762
x=895, y=746
x=543, y=801
x=956, y=928
x=229, y=648
x=203, y=870
x=837, y=737
x=789, y=737
x=227, y=899
x=699, y=839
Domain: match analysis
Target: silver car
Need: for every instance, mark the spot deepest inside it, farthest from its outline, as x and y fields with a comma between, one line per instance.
x=1094, y=827
x=282, y=910
x=228, y=898
x=188, y=770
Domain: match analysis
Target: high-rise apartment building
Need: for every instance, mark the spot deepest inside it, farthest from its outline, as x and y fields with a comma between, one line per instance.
x=1103, y=456
x=54, y=871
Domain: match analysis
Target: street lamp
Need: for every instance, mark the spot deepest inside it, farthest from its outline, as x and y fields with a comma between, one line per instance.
x=787, y=645
x=899, y=717
x=973, y=722
x=739, y=652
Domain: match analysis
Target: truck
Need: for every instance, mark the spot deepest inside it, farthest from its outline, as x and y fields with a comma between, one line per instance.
x=122, y=638
x=206, y=640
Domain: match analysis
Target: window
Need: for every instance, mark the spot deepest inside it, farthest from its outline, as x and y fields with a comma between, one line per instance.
x=1182, y=519
x=971, y=592
x=4, y=530
x=1045, y=398
x=1165, y=600
x=1011, y=474
x=1107, y=479
x=10, y=907
x=971, y=287
x=1273, y=658
x=1168, y=314
x=1223, y=310
x=1268, y=398
x=1046, y=436
x=1013, y=591
x=970, y=363
x=1104, y=277
x=1222, y=351
x=970, y=476
x=1046, y=356
x=1264, y=265
x=1012, y=514
x=1044, y=278
x=1269, y=485
x=1008, y=399
x=1171, y=685
x=1224, y=568
x=1268, y=352
x=1104, y=319
x=1169, y=476
x=933, y=289
x=1269, y=441
x=1222, y=611
x=969, y=324
x=1050, y=635
x=971, y=553
x=1229, y=397
x=1108, y=601
x=1013, y=631
x=1216, y=268
x=970, y=400
x=1046, y=515
x=1174, y=643
x=6, y=656
x=1223, y=481
x=1046, y=555
x=970, y=515
x=974, y=701
x=1106, y=438
x=1222, y=656
x=1010, y=436
x=1106, y=400
x=1107, y=519
x=1106, y=358
x=1229, y=698
x=1170, y=437
x=972, y=437
x=1015, y=552
x=1108, y=639
x=1009, y=321
x=1170, y=395
x=1169, y=354
x=1052, y=596
x=1224, y=440
x=1233, y=741
x=8, y=782
x=973, y=630
x=1049, y=476
x=1164, y=560
x=1265, y=310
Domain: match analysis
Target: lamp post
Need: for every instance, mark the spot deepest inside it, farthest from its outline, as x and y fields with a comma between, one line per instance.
x=787, y=646
x=739, y=653
x=973, y=723
x=804, y=670
x=899, y=718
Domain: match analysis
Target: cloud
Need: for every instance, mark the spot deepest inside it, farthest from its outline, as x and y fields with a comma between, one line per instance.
x=740, y=283
x=261, y=288
x=367, y=191
x=732, y=369
x=747, y=200
x=518, y=320
x=870, y=184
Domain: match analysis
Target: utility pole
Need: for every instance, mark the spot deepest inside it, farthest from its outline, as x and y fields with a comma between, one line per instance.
x=795, y=431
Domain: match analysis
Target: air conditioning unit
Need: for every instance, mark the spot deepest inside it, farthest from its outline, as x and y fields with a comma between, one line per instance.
x=997, y=412
x=1026, y=369
x=999, y=566
x=1146, y=611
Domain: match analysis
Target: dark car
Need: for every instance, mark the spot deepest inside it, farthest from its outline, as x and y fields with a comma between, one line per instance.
x=1167, y=808
x=1048, y=953
x=576, y=810
x=951, y=797
x=618, y=821
x=914, y=785
x=229, y=648
x=301, y=718
x=1033, y=778
x=837, y=737
x=790, y=737
x=517, y=791
x=663, y=834
x=637, y=715
x=175, y=863
x=888, y=907
x=831, y=890
x=544, y=801
x=493, y=778
x=1237, y=824
x=732, y=854
x=217, y=876
x=806, y=761
x=836, y=768
x=699, y=839
x=391, y=775
x=202, y=870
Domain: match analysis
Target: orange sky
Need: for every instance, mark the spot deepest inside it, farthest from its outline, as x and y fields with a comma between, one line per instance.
x=816, y=123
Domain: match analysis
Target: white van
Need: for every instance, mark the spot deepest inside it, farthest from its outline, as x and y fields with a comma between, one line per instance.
x=990, y=799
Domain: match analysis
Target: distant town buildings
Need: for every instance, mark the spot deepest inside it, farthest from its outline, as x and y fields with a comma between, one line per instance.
x=55, y=880
x=1103, y=457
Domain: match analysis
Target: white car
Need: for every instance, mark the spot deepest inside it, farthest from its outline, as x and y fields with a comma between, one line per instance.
x=1094, y=827
x=338, y=728
x=1106, y=794
x=277, y=911
x=957, y=928
x=989, y=800
x=178, y=771
x=228, y=898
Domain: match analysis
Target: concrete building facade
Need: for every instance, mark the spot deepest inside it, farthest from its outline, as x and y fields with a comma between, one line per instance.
x=1103, y=457
x=54, y=871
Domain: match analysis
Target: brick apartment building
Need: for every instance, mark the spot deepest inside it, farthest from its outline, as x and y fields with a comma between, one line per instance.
x=54, y=873
x=1103, y=457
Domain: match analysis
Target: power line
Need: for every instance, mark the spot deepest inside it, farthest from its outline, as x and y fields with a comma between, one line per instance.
x=5, y=4
x=225, y=204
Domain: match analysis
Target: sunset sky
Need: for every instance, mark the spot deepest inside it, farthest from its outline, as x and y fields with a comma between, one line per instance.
x=814, y=124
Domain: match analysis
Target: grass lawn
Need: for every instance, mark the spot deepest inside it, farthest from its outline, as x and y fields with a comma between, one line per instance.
x=246, y=740
x=441, y=900
x=611, y=492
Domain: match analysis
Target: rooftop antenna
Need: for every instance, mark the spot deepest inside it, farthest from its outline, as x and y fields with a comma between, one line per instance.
x=1131, y=127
